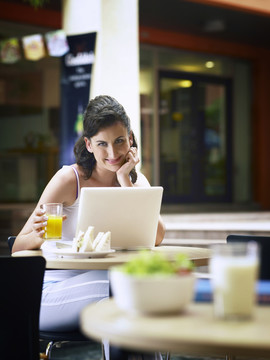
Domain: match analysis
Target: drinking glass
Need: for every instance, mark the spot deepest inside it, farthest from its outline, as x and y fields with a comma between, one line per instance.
x=53, y=230
x=234, y=271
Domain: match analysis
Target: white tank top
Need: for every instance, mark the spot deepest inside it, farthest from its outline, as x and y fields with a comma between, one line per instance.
x=69, y=225
x=68, y=233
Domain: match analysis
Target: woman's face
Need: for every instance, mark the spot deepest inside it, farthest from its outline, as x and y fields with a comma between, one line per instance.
x=110, y=146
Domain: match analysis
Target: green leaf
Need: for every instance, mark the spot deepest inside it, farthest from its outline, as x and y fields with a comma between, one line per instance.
x=148, y=263
x=37, y=3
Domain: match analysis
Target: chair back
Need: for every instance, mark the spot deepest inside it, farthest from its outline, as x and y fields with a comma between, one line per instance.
x=264, y=242
x=11, y=240
x=21, y=281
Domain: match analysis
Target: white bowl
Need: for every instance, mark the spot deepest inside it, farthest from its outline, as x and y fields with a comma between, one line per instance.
x=152, y=294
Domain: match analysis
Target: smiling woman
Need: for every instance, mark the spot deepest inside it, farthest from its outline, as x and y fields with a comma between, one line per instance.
x=106, y=156
x=112, y=150
x=102, y=113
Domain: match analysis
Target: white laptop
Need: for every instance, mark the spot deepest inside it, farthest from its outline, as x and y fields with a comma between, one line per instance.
x=130, y=213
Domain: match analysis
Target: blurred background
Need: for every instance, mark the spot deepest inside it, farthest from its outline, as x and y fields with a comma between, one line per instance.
x=204, y=84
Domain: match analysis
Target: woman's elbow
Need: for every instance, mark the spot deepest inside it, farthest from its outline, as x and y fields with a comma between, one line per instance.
x=160, y=232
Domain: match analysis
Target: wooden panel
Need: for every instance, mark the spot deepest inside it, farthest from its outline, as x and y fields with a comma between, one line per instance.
x=205, y=44
x=261, y=7
x=29, y=15
x=260, y=132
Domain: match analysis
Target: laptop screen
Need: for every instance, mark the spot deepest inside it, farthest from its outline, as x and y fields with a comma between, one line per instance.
x=130, y=213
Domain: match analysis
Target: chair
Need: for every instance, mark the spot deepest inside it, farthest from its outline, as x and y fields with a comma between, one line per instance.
x=264, y=242
x=55, y=338
x=21, y=287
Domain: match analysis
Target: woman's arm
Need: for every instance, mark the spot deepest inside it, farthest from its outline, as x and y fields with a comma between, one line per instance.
x=160, y=231
x=143, y=182
x=122, y=174
x=61, y=188
x=124, y=180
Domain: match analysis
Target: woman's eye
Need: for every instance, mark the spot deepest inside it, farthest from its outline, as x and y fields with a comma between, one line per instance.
x=102, y=144
x=119, y=141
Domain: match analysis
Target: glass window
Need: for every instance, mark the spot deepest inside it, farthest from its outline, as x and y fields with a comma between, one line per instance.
x=168, y=113
x=30, y=127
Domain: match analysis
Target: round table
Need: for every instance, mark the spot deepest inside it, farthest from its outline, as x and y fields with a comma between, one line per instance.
x=199, y=256
x=193, y=332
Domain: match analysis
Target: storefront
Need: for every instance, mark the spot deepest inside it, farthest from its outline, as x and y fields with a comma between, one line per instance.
x=204, y=120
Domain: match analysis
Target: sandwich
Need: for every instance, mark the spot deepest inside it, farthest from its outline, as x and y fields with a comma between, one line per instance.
x=104, y=243
x=85, y=242
x=97, y=239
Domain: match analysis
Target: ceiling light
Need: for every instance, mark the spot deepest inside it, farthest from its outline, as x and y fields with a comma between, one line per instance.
x=185, y=83
x=209, y=64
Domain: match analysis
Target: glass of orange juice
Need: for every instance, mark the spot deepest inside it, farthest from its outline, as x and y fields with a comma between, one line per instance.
x=53, y=230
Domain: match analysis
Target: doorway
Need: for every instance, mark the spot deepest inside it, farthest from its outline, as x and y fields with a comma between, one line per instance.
x=195, y=138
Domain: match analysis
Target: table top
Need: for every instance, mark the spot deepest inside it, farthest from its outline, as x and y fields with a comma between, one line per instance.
x=199, y=256
x=194, y=332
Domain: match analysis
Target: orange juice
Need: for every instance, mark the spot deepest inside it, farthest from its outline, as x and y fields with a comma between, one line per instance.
x=53, y=229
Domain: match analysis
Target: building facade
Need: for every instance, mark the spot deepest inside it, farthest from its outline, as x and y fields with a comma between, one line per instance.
x=204, y=113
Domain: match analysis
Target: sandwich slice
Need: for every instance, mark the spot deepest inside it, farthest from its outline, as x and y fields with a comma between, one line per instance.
x=97, y=239
x=87, y=244
x=84, y=241
x=104, y=244
x=77, y=242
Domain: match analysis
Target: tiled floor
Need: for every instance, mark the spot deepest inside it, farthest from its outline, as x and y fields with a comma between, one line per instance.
x=90, y=351
x=75, y=351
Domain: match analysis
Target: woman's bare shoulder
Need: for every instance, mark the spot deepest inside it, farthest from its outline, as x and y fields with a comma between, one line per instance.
x=66, y=174
x=141, y=180
x=62, y=187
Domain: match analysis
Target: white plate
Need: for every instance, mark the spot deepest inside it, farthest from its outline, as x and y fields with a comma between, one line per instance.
x=83, y=255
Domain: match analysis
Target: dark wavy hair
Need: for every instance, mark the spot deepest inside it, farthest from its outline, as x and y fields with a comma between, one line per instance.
x=101, y=112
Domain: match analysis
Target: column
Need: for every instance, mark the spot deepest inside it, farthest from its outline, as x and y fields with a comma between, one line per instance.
x=116, y=68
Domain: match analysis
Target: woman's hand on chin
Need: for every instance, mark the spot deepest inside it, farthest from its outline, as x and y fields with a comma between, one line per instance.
x=132, y=160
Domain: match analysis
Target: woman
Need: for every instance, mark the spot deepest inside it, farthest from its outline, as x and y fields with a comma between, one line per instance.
x=106, y=155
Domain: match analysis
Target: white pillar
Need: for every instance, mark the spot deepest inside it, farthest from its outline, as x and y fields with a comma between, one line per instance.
x=81, y=16
x=116, y=68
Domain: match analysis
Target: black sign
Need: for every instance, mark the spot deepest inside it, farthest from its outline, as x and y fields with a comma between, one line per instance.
x=75, y=88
